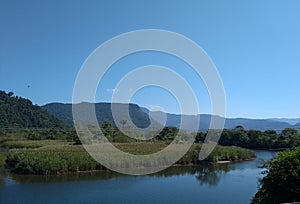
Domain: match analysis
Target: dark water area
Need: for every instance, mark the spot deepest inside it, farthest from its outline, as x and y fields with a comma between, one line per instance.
x=222, y=183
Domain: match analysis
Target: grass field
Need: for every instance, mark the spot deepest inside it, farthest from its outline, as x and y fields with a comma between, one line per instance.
x=18, y=144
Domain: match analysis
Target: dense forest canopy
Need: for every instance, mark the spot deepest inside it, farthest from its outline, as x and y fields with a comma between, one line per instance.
x=282, y=182
x=255, y=139
x=18, y=112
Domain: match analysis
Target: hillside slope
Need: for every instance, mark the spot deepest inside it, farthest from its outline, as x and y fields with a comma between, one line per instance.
x=17, y=112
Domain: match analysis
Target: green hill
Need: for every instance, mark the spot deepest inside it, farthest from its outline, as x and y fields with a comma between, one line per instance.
x=18, y=112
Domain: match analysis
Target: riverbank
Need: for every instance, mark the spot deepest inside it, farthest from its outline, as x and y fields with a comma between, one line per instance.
x=177, y=184
x=64, y=158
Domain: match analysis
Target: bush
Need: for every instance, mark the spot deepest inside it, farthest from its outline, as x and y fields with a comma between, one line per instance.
x=282, y=182
x=51, y=161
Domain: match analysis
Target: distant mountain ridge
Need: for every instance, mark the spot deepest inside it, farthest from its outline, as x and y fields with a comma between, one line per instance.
x=297, y=126
x=292, y=121
x=140, y=116
x=230, y=123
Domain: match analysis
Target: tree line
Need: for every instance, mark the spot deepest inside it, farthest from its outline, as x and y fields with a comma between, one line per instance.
x=252, y=139
x=255, y=139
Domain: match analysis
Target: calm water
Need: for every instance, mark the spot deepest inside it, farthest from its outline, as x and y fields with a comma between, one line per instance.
x=225, y=183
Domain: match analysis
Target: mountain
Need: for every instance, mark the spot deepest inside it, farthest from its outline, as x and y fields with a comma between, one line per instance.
x=18, y=112
x=103, y=112
x=292, y=121
x=297, y=126
x=140, y=116
x=230, y=123
x=256, y=124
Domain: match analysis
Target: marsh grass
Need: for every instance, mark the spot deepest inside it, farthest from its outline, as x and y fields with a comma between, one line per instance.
x=57, y=157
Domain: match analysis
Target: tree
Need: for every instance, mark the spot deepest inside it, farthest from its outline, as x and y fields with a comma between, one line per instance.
x=240, y=137
x=282, y=183
x=167, y=133
x=107, y=129
x=255, y=137
x=200, y=137
x=292, y=137
x=123, y=123
x=239, y=128
x=289, y=132
x=226, y=138
x=10, y=94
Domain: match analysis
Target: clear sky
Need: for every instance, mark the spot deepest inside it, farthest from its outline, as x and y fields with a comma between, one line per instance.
x=254, y=44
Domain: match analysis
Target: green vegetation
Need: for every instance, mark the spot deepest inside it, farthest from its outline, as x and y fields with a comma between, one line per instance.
x=232, y=153
x=55, y=157
x=54, y=160
x=26, y=144
x=65, y=133
x=282, y=182
x=140, y=148
x=255, y=139
x=17, y=112
x=220, y=153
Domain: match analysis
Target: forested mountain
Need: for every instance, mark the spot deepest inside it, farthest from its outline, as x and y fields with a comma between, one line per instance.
x=18, y=112
x=103, y=113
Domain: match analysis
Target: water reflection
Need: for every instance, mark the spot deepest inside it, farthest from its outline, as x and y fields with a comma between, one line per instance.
x=3, y=175
x=212, y=174
x=1, y=180
x=205, y=174
x=105, y=175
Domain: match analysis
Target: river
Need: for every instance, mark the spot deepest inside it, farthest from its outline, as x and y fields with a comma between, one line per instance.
x=223, y=183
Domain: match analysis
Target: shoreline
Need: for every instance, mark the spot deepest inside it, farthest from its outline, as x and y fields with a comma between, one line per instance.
x=202, y=163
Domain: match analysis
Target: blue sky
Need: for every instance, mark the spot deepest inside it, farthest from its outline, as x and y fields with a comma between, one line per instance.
x=254, y=44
